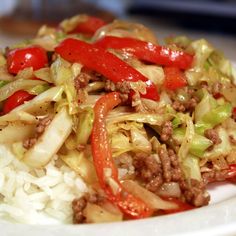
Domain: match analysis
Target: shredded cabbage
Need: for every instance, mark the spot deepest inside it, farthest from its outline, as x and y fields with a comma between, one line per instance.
x=20, y=84
x=43, y=151
x=84, y=127
x=63, y=75
x=202, y=51
x=191, y=167
x=222, y=148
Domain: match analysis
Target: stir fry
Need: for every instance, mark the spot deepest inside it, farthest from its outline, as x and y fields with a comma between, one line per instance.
x=146, y=126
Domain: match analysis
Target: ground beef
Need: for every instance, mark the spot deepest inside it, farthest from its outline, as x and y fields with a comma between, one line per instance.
x=166, y=164
x=232, y=139
x=176, y=171
x=153, y=173
x=178, y=106
x=214, y=176
x=123, y=87
x=183, y=106
x=146, y=166
x=213, y=136
x=191, y=103
x=195, y=192
x=110, y=86
x=82, y=80
x=28, y=143
x=42, y=124
x=40, y=128
x=170, y=165
x=124, y=97
x=79, y=204
x=149, y=171
x=86, y=75
x=167, y=131
x=216, y=88
x=155, y=183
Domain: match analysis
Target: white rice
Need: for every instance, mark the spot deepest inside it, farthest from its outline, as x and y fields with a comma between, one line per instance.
x=41, y=196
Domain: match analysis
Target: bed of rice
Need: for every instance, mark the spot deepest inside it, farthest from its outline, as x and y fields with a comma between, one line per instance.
x=42, y=196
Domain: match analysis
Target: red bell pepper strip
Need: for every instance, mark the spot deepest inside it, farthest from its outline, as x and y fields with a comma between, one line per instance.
x=234, y=112
x=147, y=51
x=217, y=95
x=104, y=164
x=104, y=62
x=15, y=100
x=21, y=58
x=174, y=78
x=89, y=27
x=231, y=173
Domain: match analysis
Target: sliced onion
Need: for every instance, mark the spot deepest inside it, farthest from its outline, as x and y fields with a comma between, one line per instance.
x=95, y=86
x=164, y=98
x=171, y=189
x=10, y=88
x=97, y=214
x=15, y=132
x=126, y=29
x=152, y=72
x=90, y=101
x=51, y=95
x=44, y=74
x=17, y=116
x=151, y=199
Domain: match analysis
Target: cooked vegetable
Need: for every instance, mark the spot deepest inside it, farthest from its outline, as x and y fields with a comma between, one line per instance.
x=80, y=164
x=198, y=145
x=232, y=172
x=53, y=94
x=19, y=59
x=100, y=118
x=85, y=125
x=43, y=150
x=96, y=214
x=182, y=206
x=126, y=29
x=98, y=59
x=104, y=164
x=174, y=78
x=84, y=24
x=214, y=117
x=147, y=51
x=15, y=100
x=12, y=87
x=152, y=200
x=191, y=167
x=89, y=26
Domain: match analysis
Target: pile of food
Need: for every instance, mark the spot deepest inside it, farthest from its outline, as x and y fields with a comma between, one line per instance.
x=100, y=123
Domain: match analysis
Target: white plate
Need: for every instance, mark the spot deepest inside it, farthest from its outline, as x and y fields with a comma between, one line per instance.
x=219, y=218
